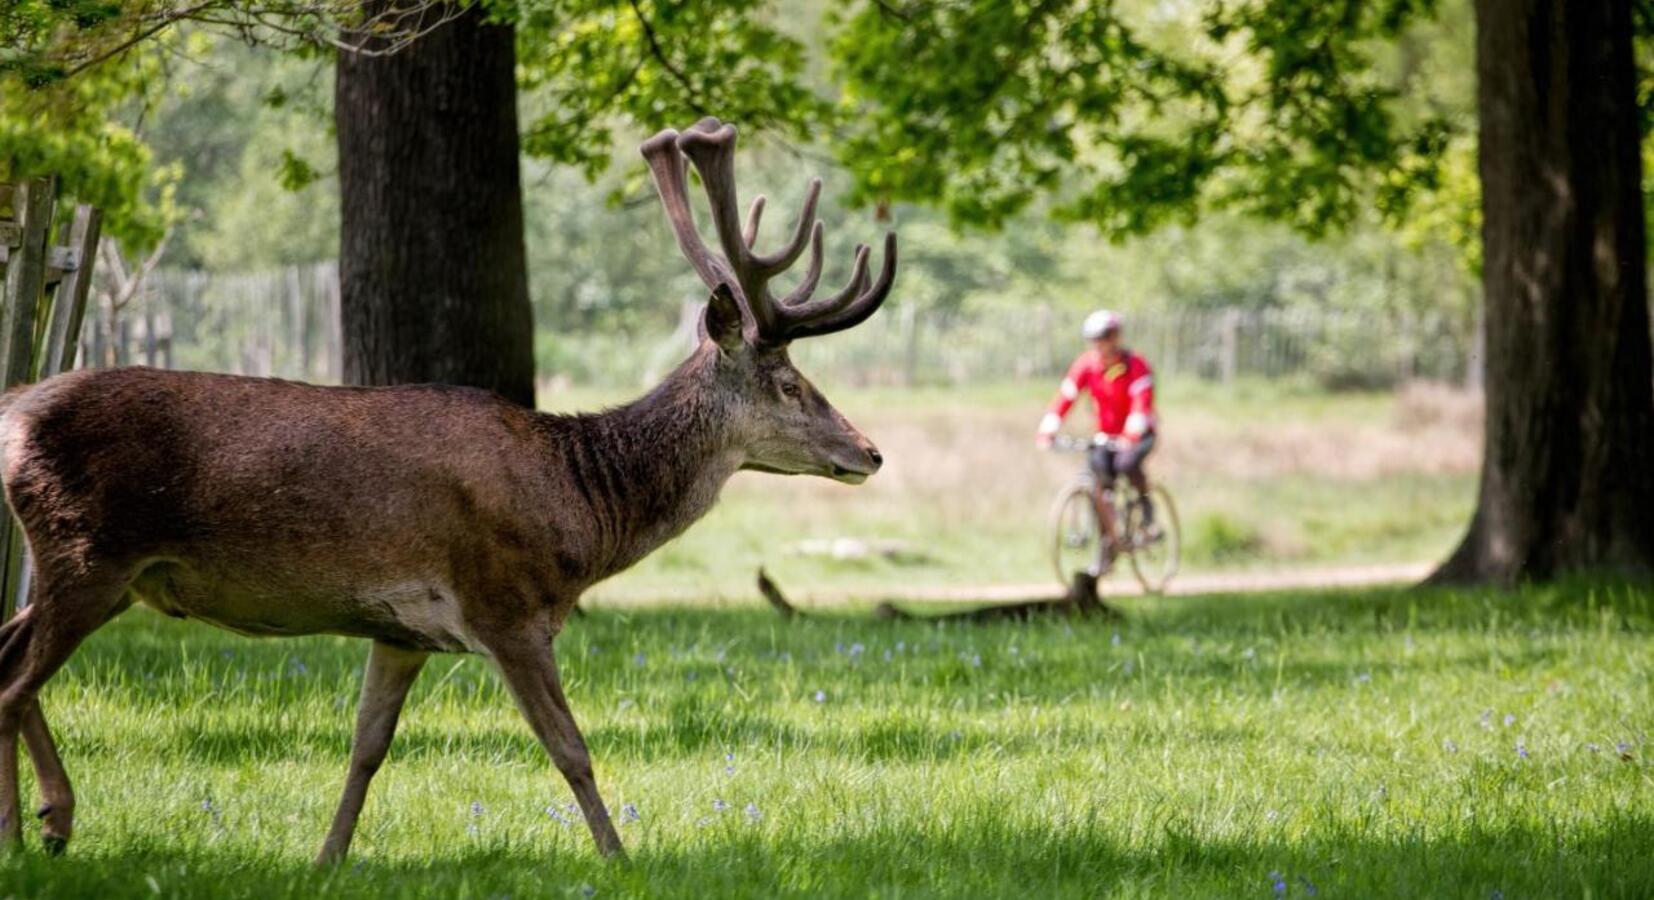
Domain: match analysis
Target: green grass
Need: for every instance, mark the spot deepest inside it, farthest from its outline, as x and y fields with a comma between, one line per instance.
x=1354, y=741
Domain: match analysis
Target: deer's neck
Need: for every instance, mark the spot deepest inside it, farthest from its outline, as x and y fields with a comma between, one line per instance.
x=649, y=469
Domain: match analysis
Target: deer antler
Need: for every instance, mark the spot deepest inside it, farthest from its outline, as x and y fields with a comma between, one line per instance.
x=710, y=146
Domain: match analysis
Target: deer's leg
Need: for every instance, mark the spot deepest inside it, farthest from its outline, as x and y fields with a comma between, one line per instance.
x=391, y=671
x=62, y=612
x=57, y=798
x=530, y=670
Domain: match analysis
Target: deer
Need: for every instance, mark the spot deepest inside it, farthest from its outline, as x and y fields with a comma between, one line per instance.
x=427, y=519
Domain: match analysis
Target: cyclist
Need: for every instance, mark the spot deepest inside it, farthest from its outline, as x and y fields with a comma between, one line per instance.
x=1122, y=392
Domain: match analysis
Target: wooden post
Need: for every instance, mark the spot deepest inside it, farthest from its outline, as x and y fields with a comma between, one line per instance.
x=68, y=309
x=26, y=259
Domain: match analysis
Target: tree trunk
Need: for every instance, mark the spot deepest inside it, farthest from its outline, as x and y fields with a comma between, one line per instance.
x=431, y=266
x=1568, y=469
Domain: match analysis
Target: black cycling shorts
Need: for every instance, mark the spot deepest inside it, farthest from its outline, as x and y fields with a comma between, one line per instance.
x=1107, y=463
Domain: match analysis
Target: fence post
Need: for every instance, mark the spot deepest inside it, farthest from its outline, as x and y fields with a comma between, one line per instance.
x=1229, y=342
x=68, y=309
x=26, y=257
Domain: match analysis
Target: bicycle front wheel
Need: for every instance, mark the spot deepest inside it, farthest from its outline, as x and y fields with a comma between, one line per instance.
x=1155, y=548
x=1077, y=543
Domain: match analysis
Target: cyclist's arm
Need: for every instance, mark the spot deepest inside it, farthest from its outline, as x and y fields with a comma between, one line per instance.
x=1058, y=409
x=1141, y=391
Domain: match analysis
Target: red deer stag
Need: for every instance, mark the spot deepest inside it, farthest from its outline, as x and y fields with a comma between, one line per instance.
x=427, y=519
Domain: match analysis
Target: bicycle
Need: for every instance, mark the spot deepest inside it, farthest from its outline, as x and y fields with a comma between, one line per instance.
x=1078, y=543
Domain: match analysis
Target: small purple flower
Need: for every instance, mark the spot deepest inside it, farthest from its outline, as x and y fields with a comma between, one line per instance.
x=1521, y=750
x=1487, y=718
x=1449, y=746
x=1592, y=747
x=1309, y=886
x=1364, y=678
x=729, y=764
x=720, y=806
x=638, y=659
x=587, y=890
x=753, y=813
x=558, y=816
x=1496, y=895
x=477, y=809
x=1624, y=748
x=1115, y=640
x=629, y=814
x=857, y=649
x=1510, y=719
x=821, y=696
x=1278, y=882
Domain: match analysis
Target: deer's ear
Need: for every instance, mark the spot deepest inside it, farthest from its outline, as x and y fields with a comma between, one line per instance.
x=722, y=319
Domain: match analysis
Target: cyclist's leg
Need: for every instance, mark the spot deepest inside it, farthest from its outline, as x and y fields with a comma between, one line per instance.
x=1104, y=465
x=1132, y=465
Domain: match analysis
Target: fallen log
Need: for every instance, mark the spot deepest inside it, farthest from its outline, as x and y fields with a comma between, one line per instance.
x=1082, y=600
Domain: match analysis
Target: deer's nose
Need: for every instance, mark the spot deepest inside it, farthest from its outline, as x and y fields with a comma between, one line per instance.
x=875, y=457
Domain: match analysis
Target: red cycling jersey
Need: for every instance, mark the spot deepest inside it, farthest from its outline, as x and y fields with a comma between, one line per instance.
x=1122, y=393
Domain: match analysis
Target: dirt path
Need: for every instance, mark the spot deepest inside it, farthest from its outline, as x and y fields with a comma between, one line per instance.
x=1118, y=585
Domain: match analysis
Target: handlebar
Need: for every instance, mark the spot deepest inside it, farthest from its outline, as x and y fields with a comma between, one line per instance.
x=1066, y=443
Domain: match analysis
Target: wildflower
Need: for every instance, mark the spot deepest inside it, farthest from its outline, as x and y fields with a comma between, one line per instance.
x=729, y=764
x=638, y=659
x=477, y=809
x=752, y=811
x=821, y=696
x=901, y=646
x=1624, y=748
x=1487, y=718
x=1279, y=883
x=1364, y=678
x=1249, y=653
x=1309, y=886
x=299, y=668
x=587, y=890
x=720, y=806
x=1116, y=639
x=887, y=655
x=1510, y=719
x=857, y=649
x=629, y=813
x=1521, y=750
x=1496, y=895
x=558, y=816
x=1449, y=746
x=1271, y=815
x=1592, y=747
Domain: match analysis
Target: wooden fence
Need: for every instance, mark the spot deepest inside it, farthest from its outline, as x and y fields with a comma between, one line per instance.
x=46, y=254
x=285, y=322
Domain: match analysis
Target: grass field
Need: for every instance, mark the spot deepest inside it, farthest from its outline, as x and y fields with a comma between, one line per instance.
x=1267, y=476
x=1370, y=744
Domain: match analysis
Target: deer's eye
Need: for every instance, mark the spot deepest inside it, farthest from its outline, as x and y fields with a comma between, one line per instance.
x=791, y=389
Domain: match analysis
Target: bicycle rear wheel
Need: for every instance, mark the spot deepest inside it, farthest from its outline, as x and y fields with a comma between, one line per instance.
x=1077, y=543
x=1155, y=550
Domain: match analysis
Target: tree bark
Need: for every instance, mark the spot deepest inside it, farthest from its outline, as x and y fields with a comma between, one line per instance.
x=431, y=263
x=1568, y=469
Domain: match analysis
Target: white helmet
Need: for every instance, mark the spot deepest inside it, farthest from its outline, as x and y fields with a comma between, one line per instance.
x=1100, y=324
